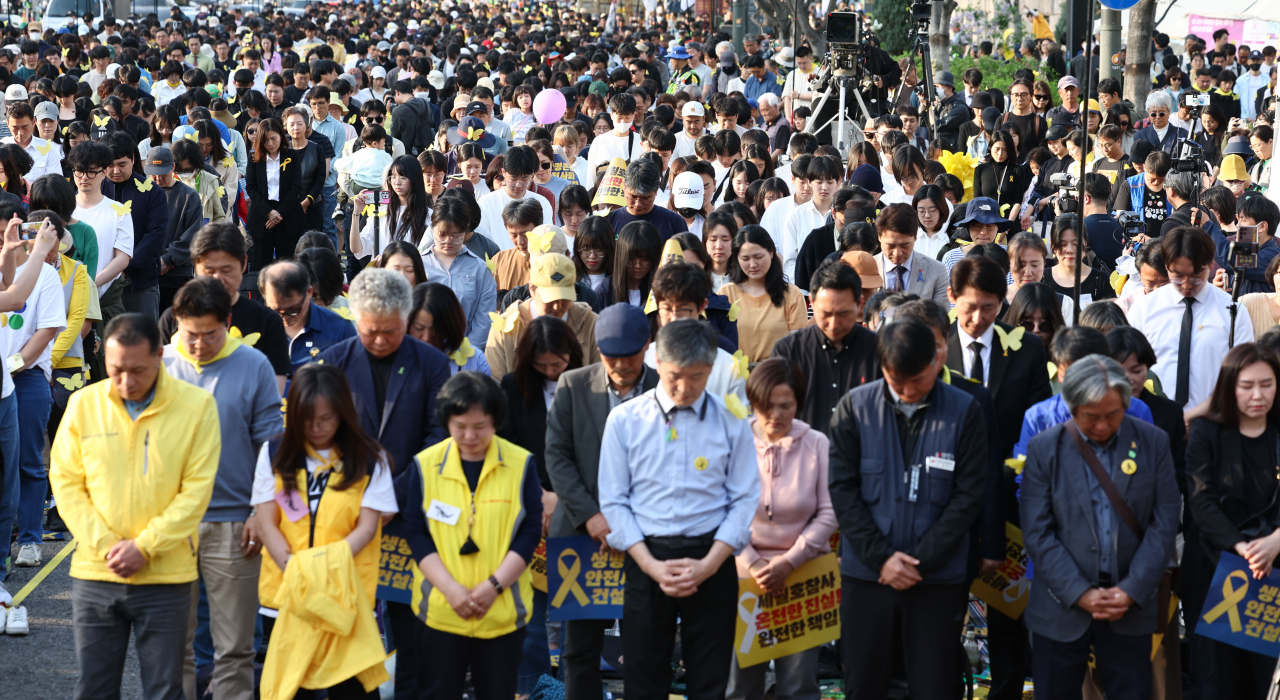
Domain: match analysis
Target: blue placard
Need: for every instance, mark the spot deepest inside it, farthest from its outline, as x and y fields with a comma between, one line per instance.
x=583, y=583
x=395, y=565
x=1240, y=610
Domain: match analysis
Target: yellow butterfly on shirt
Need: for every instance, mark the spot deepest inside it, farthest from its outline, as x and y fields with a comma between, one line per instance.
x=143, y=185
x=503, y=324
x=542, y=241
x=44, y=151
x=734, y=310
x=464, y=352
x=741, y=365
x=222, y=191
x=101, y=121
x=734, y=404
x=1010, y=340
x=491, y=264
x=249, y=340
x=123, y=209
x=1053, y=371
x=1016, y=463
x=75, y=381
x=1118, y=281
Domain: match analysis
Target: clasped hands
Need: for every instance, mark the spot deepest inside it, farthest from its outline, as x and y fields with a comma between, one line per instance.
x=1260, y=553
x=473, y=603
x=1105, y=603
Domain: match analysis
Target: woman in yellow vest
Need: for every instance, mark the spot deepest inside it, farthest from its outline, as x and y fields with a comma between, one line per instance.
x=473, y=519
x=322, y=481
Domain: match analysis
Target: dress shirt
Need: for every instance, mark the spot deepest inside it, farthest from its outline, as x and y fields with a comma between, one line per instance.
x=753, y=88
x=46, y=157
x=273, y=178
x=475, y=288
x=337, y=134
x=988, y=336
x=1159, y=316
x=891, y=279
x=830, y=373
x=324, y=329
x=799, y=223
x=651, y=486
x=616, y=399
x=1104, y=521
x=929, y=246
x=1053, y=411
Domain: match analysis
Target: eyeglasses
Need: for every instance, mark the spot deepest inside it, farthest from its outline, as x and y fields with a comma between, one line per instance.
x=1186, y=281
x=452, y=237
x=87, y=174
x=518, y=180
x=1019, y=95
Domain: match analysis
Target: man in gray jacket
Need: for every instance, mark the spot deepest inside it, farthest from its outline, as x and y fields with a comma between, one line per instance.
x=243, y=383
x=185, y=218
x=1100, y=507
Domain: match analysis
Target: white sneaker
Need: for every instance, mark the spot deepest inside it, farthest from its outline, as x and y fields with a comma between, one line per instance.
x=17, y=622
x=28, y=555
x=5, y=599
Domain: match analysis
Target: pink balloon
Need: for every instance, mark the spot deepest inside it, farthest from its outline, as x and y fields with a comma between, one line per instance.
x=548, y=106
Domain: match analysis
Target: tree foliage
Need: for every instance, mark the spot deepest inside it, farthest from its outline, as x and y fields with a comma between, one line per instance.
x=892, y=21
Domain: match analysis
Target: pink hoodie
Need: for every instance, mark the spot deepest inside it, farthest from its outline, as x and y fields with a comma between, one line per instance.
x=795, y=518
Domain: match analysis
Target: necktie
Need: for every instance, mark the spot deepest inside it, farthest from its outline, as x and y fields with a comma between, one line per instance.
x=1184, y=355
x=976, y=373
x=901, y=273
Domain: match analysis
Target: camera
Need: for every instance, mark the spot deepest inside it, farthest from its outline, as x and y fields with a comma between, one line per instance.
x=1131, y=225
x=844, y=30
x=1197, y=100
x=1190, y=158
x=1068, y=185
x=1245, y=247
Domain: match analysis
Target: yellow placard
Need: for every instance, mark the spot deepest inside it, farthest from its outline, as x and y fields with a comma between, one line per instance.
x=538, y=567
x=1008, y=588
x=804, y=614
x=610, y=190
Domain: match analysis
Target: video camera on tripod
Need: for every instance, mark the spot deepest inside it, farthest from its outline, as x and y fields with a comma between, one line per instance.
x=1068, y=185
x=846, y=39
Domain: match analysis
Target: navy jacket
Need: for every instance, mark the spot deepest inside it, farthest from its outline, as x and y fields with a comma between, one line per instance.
x=150, y=212
x=1058, y=525
x=406, y=423
x=1148, y=133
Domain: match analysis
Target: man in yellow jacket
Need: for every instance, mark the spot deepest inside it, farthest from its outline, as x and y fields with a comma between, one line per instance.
x=134, y=462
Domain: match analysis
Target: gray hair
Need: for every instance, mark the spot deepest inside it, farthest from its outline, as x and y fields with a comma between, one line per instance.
x=767, y=98
x=643, y=177
x=1091, y=378
x=1159, y=99
x=380, y=292
x=1182, y=184
x=687, y=342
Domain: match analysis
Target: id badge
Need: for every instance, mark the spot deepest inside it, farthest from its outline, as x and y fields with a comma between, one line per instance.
x=914, y=491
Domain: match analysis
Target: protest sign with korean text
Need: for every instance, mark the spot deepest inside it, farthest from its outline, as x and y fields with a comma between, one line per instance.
x=583, y=583
x=1240, y=610
x=395, y=565
x=803, y=614
x=1008, y=588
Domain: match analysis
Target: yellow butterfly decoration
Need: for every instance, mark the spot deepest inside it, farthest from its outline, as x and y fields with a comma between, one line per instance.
x=65, y=129
x=1004, y=209
x=952, y=314
x=75, y=381
x=286, y=162
x=542, y=240
x=491, y=264
x=1010, y=339
x=344, y=312
x=123, y=209
x=101, y=121
x=475, y=134
x=1149, y=385
x=48, y=145
x=85, y=67
x=1118, y=281
x=741, y=365
x=222, y=191
x=1016, y=463
x=249, y=340
x=228, y=161
x=734, y=310
x=66, y=50
x=144, y=185
x=1053, y=370
x=192, y=137
x=734, y=404
x=503, y=324
x=463, y=353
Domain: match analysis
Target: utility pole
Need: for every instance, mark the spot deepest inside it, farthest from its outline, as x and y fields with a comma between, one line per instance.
x=739, y=25
x=1110, y=41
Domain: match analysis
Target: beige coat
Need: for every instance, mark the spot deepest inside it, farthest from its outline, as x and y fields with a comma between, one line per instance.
x=500, y=349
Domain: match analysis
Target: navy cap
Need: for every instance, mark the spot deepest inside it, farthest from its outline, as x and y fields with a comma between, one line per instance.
x=621, y=330
x=868, y=177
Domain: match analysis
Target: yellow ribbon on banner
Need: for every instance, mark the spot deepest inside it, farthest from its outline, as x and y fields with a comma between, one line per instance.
x=749, y=617
x=569, y=580
x=1231, y=597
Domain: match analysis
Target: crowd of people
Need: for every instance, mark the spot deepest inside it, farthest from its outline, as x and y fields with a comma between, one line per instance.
x=471, y=280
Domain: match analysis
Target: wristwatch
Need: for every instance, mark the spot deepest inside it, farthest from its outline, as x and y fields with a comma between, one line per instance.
x=493, y=581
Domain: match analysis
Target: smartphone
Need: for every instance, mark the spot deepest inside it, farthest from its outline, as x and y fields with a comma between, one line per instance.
x=1197, y=100
x=384, y=197
x=1247, y=233
x=29, y=230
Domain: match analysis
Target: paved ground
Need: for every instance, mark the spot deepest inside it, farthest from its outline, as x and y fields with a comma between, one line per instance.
x=42, y=665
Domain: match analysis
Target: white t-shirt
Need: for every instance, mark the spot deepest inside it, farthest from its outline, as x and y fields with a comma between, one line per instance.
x=114, y=229
x=685, y=145
x=608, y=146
x=45, y=308
x=491, y=206
x=378, y=495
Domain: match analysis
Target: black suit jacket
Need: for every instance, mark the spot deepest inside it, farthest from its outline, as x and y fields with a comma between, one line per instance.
x=1018, y=380
x=530, y=429
x=255, y=184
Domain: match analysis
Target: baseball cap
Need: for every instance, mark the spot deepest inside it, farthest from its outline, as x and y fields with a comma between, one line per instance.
x=693, y=108
x=15, y=93
x=1067, y=81
x=473, y=107
x=436, y=79
x=552, y=276
x=159, y=161
x=622, y=330
x=727, y=56
x=599, y=87
x=989, y=117
x=867, y=177
x=865, y=265
x=1057, y=132
x=547, y=239
x=46, y=110
x=1255, y=55
x=1094, y=106
x=377, y=72
x=384, y=46
x=485, y=82
x=687, y=191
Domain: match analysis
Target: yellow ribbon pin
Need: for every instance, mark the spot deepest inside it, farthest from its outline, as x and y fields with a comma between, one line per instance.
x=700, y=464
x=1231, y=597
x=464, y=352
x=569, y=580
x=1129, y=467
x=286, y=162
x=1010, y=340
x=734, y=404
x=143, y=185
x=1016, y=463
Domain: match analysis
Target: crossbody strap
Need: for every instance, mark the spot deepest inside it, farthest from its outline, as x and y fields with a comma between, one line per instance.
x=1117, y=502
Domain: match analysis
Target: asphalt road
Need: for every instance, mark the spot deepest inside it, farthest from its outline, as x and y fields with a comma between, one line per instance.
x=42, y=665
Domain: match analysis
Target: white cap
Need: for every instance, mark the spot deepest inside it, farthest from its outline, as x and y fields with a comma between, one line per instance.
x=412, y=24
x=377, y=72
x=15, y=93
x=687, y=192
x=693, y=108
x=436, y=79
x=487, y=82
x=392, y=27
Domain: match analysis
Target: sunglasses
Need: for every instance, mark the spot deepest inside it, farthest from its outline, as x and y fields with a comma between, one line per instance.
x=545, y=166
x=1041, y=98
x=1157, y=114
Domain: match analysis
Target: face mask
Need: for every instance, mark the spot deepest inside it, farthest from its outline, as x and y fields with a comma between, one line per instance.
x=187, y=179
x=620, y=128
